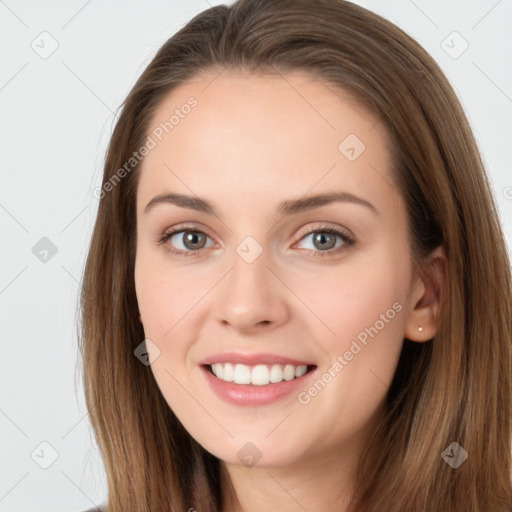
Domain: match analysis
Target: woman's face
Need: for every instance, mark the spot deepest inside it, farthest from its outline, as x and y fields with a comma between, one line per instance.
x=262, y=287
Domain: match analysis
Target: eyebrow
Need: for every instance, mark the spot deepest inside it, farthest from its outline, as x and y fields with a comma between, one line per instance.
x=286, y=208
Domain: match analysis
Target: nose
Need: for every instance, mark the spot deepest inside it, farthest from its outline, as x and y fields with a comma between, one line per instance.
x=252, y=297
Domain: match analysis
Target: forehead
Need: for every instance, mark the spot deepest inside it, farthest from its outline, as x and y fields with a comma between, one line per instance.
x=260, y=100
x=260, y=134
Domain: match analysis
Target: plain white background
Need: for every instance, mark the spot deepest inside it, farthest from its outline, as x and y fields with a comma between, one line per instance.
x=57, y=114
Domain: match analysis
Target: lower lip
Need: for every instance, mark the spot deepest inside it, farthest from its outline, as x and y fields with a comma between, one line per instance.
x=249, y=394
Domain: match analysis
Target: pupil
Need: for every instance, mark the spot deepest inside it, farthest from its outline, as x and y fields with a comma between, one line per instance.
x=191, y=237
x=320, y=237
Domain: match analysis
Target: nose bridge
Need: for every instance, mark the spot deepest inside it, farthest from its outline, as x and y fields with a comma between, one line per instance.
x=251, y=294
x=249, y=276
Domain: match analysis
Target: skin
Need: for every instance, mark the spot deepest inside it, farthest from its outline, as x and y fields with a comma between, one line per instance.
x=252, y=142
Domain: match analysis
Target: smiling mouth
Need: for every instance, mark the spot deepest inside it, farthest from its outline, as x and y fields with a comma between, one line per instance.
x=258, y=375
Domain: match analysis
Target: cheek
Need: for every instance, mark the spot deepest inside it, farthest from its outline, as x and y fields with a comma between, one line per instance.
x=164, y=295
x=350, y=300
x=166, y=301
x=366, y=313
x=174, y=304
x=362, y=311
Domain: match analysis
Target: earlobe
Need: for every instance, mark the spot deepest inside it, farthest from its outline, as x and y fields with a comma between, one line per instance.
x=419, y=336
x=422, y=320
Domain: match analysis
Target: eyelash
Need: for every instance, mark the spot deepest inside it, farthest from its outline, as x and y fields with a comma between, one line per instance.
x=348, y=241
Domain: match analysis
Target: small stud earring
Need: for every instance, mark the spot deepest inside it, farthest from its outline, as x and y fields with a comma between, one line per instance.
x=420, y=328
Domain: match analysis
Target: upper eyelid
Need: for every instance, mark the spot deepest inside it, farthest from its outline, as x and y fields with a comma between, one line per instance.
x=324, y=225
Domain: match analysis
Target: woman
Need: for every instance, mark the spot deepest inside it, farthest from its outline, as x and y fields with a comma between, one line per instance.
x=297, y=293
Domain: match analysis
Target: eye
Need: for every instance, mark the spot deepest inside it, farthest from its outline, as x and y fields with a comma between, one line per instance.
x=323, y=239
x=193, y=240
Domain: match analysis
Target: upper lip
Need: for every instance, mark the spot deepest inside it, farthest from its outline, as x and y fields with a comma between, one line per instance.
x=252, y=359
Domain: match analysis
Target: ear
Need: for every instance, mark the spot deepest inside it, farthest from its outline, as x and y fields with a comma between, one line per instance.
x=425, y=298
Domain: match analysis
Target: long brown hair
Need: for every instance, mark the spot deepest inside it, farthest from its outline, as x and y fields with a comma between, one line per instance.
x=454, y=388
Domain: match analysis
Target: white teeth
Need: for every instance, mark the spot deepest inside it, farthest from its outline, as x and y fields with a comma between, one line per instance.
x=276, y=373
x=301, y=370
x=289, y=372
x=259, y=375
x=219, y=370
x=229, y=372
x=242, y=374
